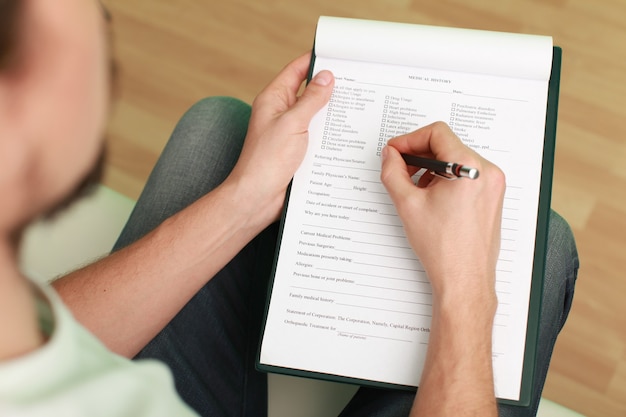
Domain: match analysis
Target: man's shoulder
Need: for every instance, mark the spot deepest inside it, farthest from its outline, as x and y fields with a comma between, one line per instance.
x=75, y=374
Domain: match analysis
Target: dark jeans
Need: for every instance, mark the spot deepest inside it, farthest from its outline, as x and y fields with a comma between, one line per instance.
x=211, y=344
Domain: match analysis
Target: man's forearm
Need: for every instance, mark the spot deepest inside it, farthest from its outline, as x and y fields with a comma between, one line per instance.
x=128, y=297
x=458, y=376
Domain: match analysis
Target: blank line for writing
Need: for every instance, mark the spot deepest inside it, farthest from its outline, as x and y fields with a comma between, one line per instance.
x=383, y=309
x=348, y=230
x=497, y=98
x=380, y=244
x=350, y=167
x=375, y=254
x=406, y=88
x=396, y=289
x=363, y=296
x=389, y=267
x=378, y=223
x=363, y=201
x=373, y=276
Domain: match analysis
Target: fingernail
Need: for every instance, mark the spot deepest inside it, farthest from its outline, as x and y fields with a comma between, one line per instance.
x=324, y=78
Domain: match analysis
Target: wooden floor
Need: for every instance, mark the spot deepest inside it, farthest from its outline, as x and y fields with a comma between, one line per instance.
x=174, y=52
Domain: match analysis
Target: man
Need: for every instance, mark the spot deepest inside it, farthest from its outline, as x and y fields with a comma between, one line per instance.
x=185, y=283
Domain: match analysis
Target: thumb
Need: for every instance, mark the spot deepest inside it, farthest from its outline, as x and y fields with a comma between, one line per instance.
x=315, y=96
x=395, y=176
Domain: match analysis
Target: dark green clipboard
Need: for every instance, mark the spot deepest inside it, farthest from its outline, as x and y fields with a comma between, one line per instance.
x=536, y=291
x=541, y=237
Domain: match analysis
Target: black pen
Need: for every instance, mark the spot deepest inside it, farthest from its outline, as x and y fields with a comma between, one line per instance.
x=448, y=170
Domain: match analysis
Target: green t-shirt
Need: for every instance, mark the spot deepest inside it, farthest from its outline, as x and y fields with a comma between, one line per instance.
x=74, y=374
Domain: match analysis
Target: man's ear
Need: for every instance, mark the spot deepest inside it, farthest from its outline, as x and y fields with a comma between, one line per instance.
x=14, y=144
x=16, y=96
x=9, y=90
x=14, y=157
x=7, y=124
x=9, y=144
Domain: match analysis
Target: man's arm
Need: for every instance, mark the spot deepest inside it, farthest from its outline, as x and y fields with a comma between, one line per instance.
x=128, y=297
x=454, y=228
x=458, y=377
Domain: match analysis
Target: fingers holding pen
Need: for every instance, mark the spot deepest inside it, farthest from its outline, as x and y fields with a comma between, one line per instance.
x=396, y=177
x=438, y=142
x=475, y=228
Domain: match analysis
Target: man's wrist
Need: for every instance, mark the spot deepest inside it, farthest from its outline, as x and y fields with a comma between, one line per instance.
x=256, y=207
x=472, y=312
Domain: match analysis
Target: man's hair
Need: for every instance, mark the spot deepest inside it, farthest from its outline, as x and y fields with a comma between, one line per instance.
x=9, y=26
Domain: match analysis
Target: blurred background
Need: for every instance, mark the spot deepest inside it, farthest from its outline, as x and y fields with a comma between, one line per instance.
x=172, y=53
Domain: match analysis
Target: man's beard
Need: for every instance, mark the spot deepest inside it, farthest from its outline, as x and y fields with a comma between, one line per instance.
x=86, y=186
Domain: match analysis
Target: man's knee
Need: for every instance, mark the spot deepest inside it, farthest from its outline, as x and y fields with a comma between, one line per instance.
x=561, y=241
x=561, y=269
x=211, y=110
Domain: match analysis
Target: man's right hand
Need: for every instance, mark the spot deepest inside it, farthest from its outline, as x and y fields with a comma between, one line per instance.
x=453, y=226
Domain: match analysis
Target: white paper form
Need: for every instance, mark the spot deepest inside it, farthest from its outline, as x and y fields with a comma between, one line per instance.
x=349, y=297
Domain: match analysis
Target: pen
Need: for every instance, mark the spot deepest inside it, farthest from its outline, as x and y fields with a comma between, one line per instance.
x=449, y=170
